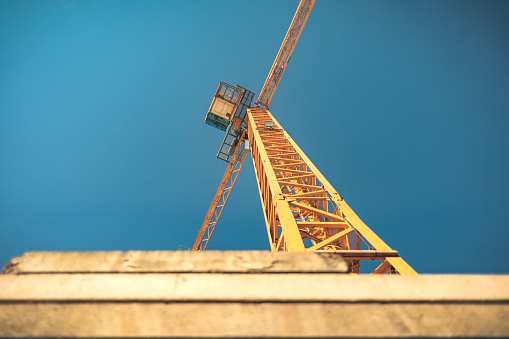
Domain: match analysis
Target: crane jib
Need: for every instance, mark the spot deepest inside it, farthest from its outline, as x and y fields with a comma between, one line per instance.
x=285, y=53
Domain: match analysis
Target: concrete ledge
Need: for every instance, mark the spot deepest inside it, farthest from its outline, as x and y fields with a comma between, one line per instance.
x=239, y=294
x=252, y=320
x=176, y=262
x=254, y=288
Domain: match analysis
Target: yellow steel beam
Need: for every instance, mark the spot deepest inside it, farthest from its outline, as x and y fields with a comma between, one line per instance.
x=221, y=197
x=314, y=198
x=300, y=185
x=306, y=194
x=398, y=263
x=384, y=268
x=279, y=158
x=276, y=208
x=310, y=236
x=297, y=177
x=317, y=211
x=272, y=231
x=328, y=224
x=329, y=240
x=293, y=171
x=285, y=52
x=299, y=203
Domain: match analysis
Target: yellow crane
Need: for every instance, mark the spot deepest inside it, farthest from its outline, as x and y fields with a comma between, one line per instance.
x=302, y=211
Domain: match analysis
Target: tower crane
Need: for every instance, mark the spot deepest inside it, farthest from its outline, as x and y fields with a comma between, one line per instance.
x=302, y=211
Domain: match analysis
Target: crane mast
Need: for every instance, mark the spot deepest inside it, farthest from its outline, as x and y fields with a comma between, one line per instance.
x=302, y=211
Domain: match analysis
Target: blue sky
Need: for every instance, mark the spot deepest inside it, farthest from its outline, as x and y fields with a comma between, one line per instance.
x=403, y=106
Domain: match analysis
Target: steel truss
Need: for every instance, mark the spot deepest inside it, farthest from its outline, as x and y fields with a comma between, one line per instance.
x=285, y=53
x=302, y=211
x=223, y=192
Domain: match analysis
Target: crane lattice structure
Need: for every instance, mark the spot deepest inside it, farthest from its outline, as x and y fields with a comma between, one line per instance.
x=302, y=211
